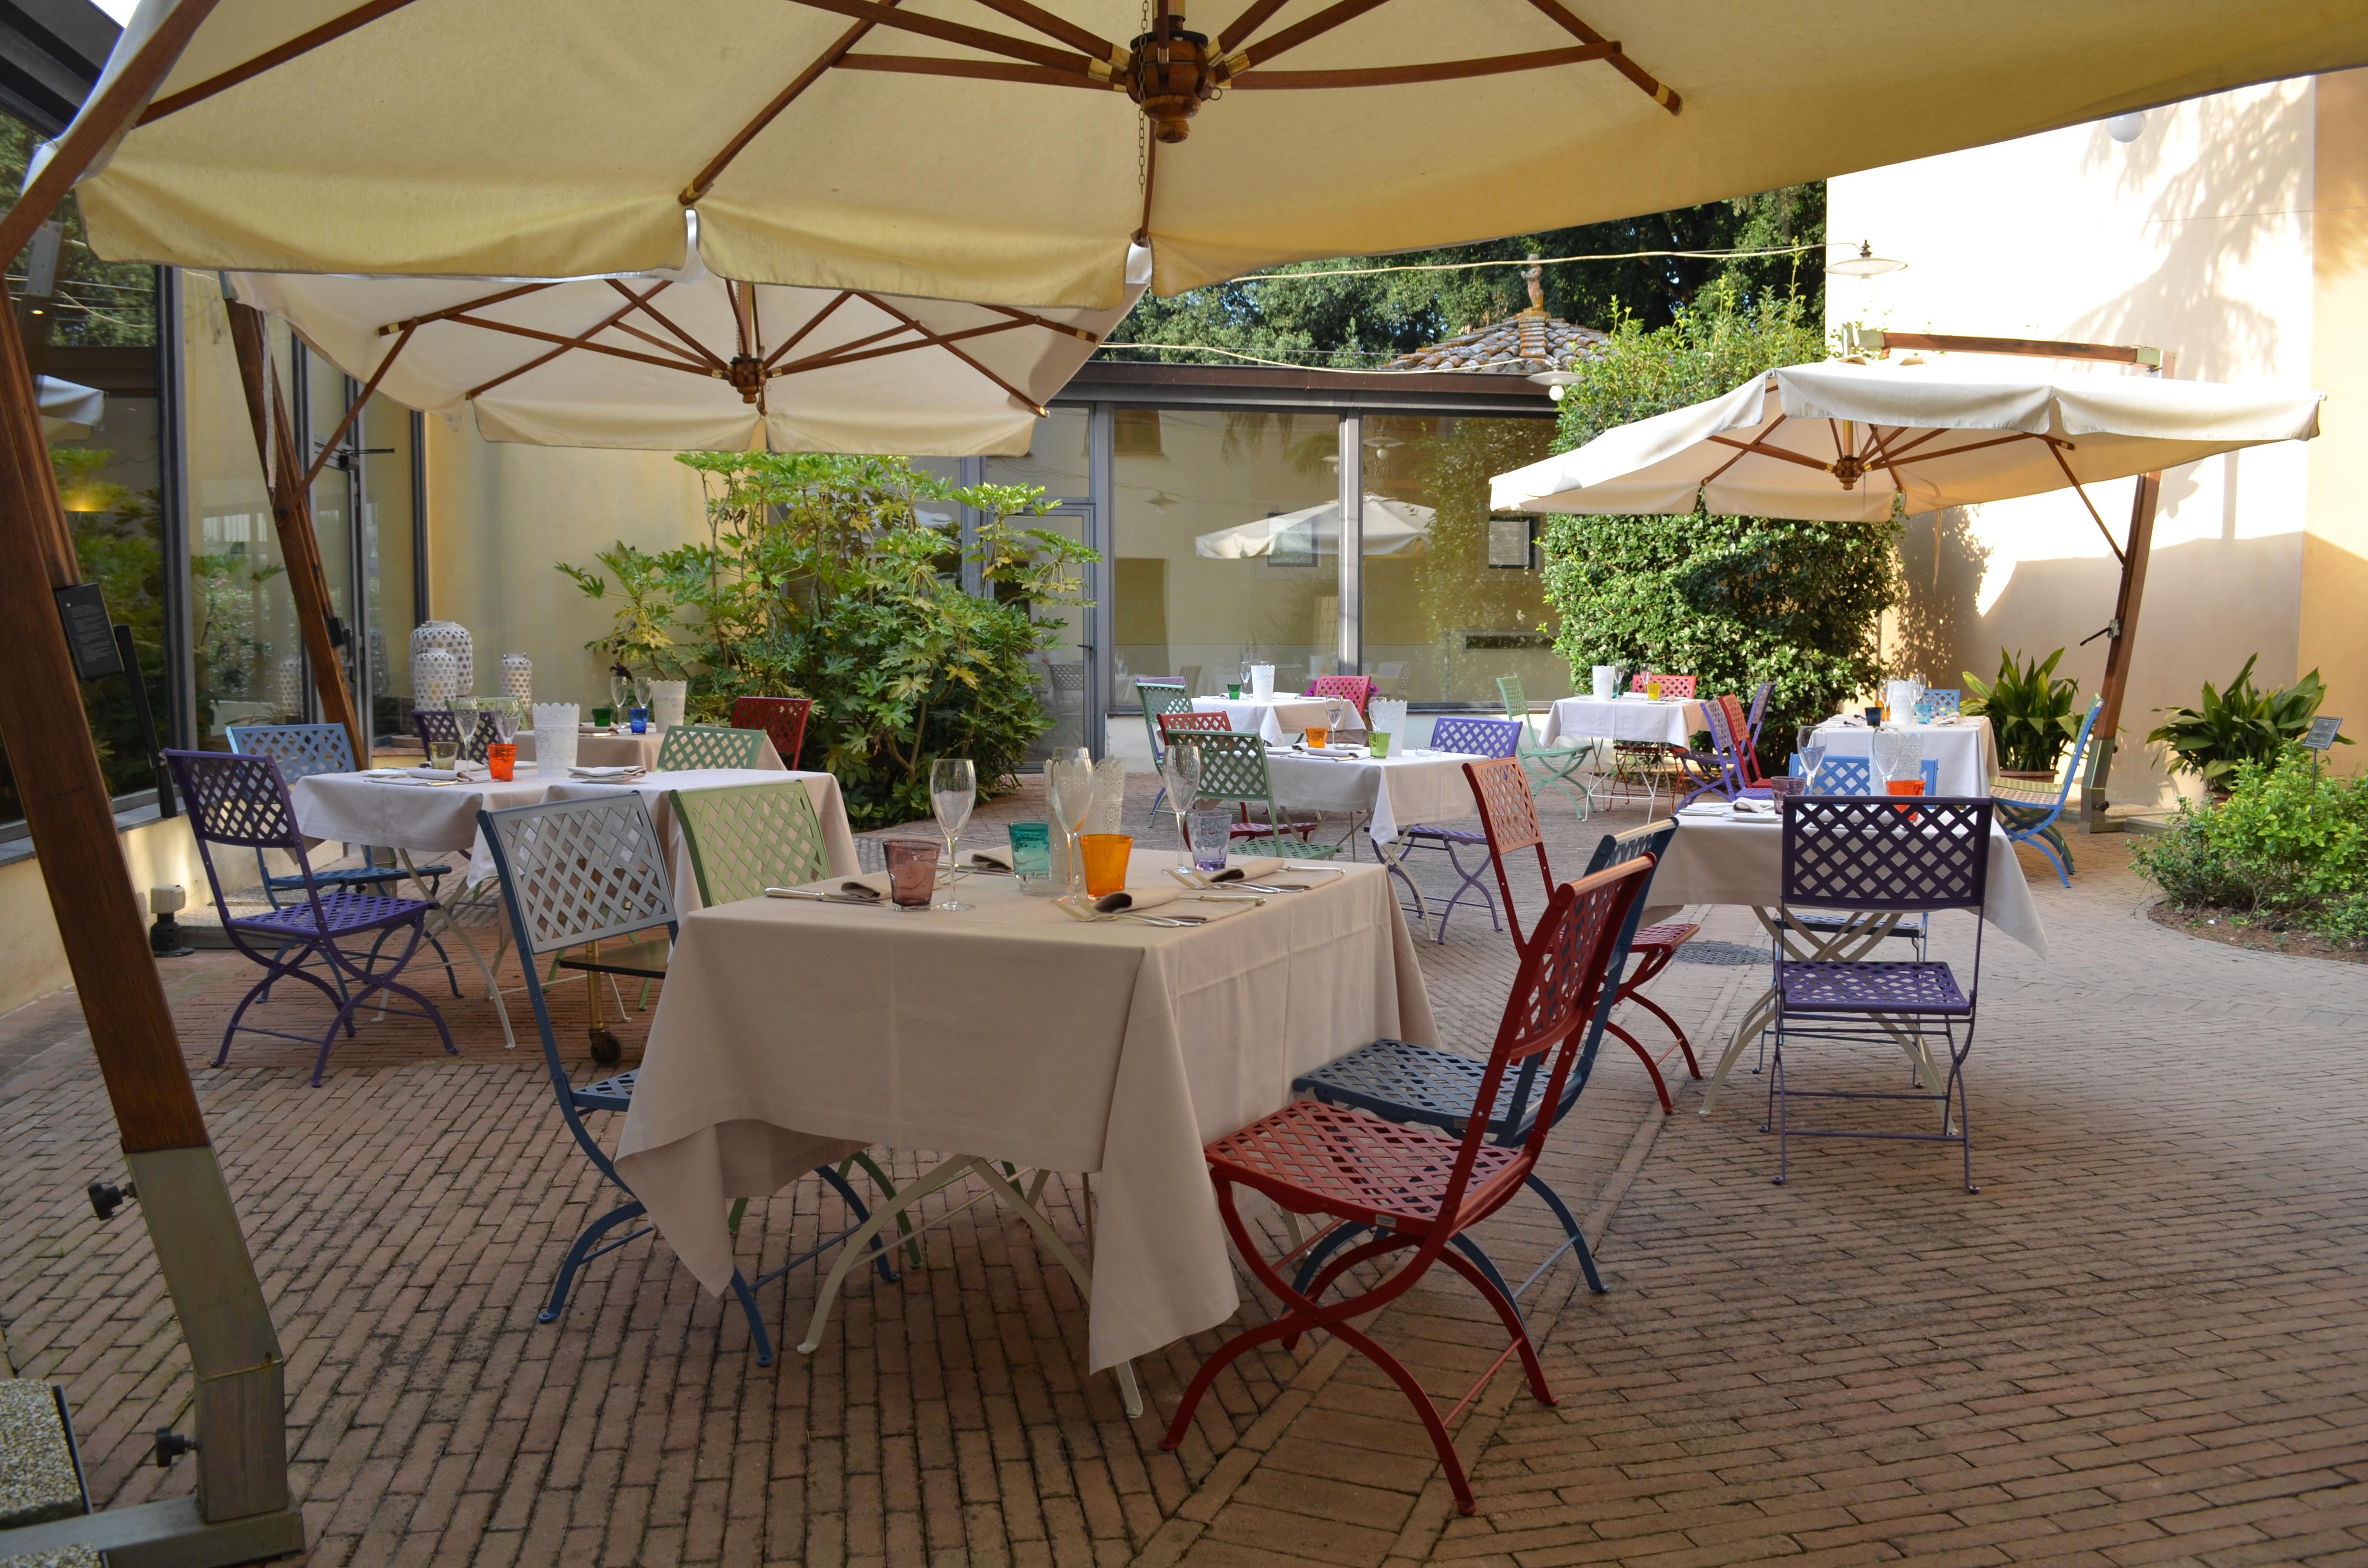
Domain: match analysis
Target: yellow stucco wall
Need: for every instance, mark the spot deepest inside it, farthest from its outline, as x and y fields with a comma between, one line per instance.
x=2198, y=238
x=32, y=962
x=2334, y=630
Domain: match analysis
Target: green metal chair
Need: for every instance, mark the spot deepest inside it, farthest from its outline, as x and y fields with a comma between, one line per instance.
x=1232, y=767
x=742, y=840
x=709, y=746
x=1160, y=696
x=1555, y=767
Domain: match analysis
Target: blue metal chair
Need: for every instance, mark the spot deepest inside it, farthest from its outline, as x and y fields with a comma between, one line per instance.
x=1855, y=774
x=302, y=751
x=1475, y=737
x=1726, y=769
x=579, y=872
x=240, y=803
x=1877, y=856
x=2028, y=810
x=1420, y=1085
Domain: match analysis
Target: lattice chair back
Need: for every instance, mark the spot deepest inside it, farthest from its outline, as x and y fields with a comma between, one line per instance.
x=1516, y=701
x=300, y=750
x=709, y=746
x=782, y=718
x=1160, y=696
x=749, y=838
x=1476, y=737
x=580, y=871
x=239, y=802
x=1885, y=854
x=1357, y=690
x=1759, y=710
x=1942, y=701
x=1232, y=764
x=1679, y=687
x=1185, y=721
x=1855, y=776
x=435, y=725
x=1509, y=820
x=1739, y=731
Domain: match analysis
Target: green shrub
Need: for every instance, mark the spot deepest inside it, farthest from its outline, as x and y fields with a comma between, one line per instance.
x=2030, y=710
x=2240, y=725
x=2283, y=849
x=822, y=578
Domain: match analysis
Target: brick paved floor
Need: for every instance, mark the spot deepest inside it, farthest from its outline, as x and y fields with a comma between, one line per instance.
x=2142, y=1340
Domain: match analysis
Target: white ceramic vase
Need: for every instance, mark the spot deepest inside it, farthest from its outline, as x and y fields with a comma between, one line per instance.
x=554, y=739
x=667, y=698
x=435, y=678
x=518, y=678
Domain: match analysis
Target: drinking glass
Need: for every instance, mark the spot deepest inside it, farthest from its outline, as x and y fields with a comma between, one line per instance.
x=1317, y=737
x=1335, y=711
x=1213, y=829
x=953, y=791
x=1183, y=781
x=912, y=872
x=443, y=753
x=1069, y=789
x=1106, y=856
x=507, y=718
x=638, y=719
x=1898, y=759
x=1812, y=748
x=1032, y=857
x=620, y=691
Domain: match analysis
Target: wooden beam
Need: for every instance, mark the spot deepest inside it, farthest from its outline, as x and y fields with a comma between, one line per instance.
x=291, y=514
x=321, y=459
x=1435, y=71
x=2036, y=347
x=2119, y=644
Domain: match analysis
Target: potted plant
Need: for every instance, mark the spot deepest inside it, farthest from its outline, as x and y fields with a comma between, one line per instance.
x=2030, y=710
x=2239, y=723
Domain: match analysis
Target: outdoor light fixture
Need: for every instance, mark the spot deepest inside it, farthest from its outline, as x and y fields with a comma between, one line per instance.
x=1556, y=383
x=2127, y=128
x=1865, y=263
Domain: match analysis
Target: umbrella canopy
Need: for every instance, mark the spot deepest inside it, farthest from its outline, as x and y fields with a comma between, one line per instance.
x=1391, y=527
x=69, y=411
x=688, y=362
x=1843, y=441
x=1004, y=149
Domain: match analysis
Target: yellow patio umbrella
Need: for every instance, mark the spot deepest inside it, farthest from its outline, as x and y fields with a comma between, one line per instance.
x=1009, y=151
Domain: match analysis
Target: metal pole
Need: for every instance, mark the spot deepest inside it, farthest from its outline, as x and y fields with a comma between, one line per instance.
x=1350, y=628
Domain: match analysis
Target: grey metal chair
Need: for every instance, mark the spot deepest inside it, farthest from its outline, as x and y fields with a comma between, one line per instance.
x=709, y=746
x=579, y=872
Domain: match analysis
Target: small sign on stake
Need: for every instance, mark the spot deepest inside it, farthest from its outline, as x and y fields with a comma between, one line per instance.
x=90, y=638
x=2322, y=735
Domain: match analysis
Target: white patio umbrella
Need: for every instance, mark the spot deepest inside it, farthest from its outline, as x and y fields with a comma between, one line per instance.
x=1391, y=527
x=69, y=411
x=1842, y=441
x=689, y=363
x=1003, y=150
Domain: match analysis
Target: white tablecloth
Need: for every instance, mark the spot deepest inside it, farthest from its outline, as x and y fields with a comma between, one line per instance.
x=1420, y=786
x=432, y=819
x=1280, y=718
x=654, y=787
x=1965, y=750
x=633, y=751
x=1672, y=722
x=1719, y=860
x=1013, y=1032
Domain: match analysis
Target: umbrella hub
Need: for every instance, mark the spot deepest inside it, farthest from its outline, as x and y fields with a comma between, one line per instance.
x=746, y=373
x=1849, y=468
x=1170, y=77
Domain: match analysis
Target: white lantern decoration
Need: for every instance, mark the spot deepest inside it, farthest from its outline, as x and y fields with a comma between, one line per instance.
x=290, y=691
x=451, y=637
x=435, y=678
x=518, y=678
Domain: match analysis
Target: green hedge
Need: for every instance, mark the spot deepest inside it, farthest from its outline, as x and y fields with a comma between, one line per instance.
x=2283, y=849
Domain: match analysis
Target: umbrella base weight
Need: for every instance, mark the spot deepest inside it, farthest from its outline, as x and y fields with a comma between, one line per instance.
x=166, y=1534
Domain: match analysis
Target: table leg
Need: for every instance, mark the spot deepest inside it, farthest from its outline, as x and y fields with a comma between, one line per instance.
x=1802, y=945
x=453, y=929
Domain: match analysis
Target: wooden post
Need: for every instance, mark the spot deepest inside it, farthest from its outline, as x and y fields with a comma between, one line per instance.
x=2116, y=684
x=291, y=513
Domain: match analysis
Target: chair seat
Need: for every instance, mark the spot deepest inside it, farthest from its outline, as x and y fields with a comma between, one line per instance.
x=2016, y=817
x=612, y=1093
x=1824, y=987
x=1313, y=1157
x=1286, y=848
x=352, y=877
x=1400, y=1081
x=1445, y=834
x=344, y=911
x=644, y=958
x=1667, y=934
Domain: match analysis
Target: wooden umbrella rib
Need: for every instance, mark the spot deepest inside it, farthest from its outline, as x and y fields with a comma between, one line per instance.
x=2055, y=452
x=1061, y=27
x=949, y=348
x=301, y=44
x=1250, y=21
x=583, y=342
x=812, y=322
x=843, y=350
x=1972, y=447
x=1047, y=323
x=411, y=322
x=1882, y=450
x=1435, y=71
x=655, y=341
x=831, y=358
x=974, y=69
x=1651, y=85
x=958, y=33
x=1932, y=434
x=1772, y=453
x=1291, y=37
x=705, y=180
x=368, y=388
x=1746, y=452
x=642, y=304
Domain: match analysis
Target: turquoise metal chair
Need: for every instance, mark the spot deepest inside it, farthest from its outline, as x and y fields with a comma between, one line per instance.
x=1557, y=766
x=1233, y=768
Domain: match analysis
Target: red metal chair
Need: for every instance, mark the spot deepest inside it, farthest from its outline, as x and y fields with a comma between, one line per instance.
x=1508, y=815
x=1419, y=1188
x=782, y=718
x=1357, y=690
x=1679, y=687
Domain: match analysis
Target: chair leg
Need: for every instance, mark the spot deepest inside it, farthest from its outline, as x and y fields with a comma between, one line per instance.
x=888, y=1190
x=881, y=1255
x=1570, y=1229
x=1492, y=1289
x=1776, y=1098
x=585, y=1244
x=764, y=1342
x=1669, y=1107
x=1631, y=995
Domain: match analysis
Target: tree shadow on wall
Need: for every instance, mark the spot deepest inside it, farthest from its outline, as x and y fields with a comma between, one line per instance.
x=1942, y=565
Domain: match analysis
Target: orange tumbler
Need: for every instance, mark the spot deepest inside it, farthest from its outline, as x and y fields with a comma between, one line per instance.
x=501, y=759
x=1106, y=858
x=1317, y=735
x=1904, y=785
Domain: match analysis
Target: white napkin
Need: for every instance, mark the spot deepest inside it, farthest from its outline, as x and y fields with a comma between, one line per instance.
x=1136, y=898
x=1252, y=871
x=605, y=775
x=1001, y=859
x=1706, y=809
x=472, y=770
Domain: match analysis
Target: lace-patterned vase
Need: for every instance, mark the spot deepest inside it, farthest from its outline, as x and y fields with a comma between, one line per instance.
x=518, y=678
x=435, y=678
x=449, y=637
x=289, y=688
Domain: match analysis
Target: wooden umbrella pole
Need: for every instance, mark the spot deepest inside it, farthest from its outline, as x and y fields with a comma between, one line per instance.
x=291, y=513
x=2124, y=630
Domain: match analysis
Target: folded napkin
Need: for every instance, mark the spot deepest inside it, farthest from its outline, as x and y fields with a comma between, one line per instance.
x=1706, y=809
x=605, y=775
x=1136, y=899
x=1253, y=870
x=998, y=859
x=437, y=775
x=874, y=888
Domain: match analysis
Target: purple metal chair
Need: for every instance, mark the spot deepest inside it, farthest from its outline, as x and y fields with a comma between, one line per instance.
x=1475, y=737
x=1881, y=856
x=1723, y=771
x=442, y=724
x=240, y=803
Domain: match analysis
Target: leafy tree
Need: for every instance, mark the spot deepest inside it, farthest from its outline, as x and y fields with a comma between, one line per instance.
x=1734, y=601
x=1363, y=320
x=98, y=304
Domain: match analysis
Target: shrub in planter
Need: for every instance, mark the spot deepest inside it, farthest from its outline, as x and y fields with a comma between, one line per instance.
x=2240, y=723
x=2030, y=710
x=2282, y=847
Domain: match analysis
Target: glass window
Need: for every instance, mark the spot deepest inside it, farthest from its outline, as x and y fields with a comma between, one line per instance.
x=325, y=398
x=1453, y=596
x=1056, y=458
x=1226, y=547
x=250, y=670
x=388, y=563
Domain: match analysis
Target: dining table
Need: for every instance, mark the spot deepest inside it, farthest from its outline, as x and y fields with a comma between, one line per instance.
x=1279, y=719
x=622, y=748
x=1389, y=793
x=1720, y=854
x=1669, y=722
x=1965, y=748
x=1013, y=1030
x=657, y=790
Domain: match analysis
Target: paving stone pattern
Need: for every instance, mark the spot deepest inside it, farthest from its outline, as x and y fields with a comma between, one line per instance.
x=2143, y=1340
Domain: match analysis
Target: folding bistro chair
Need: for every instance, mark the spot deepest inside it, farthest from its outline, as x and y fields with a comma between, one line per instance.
x=1679, y=687
x=239, y=802
x=783, y=718
x=302, y=751
x=1233, y=768
x=1758, y=711
x=1475, y=737
x=1161, y=696
x=709, y=746
x=2029, y=810
x=1880, y=855
x=1357, y=690
x=579, y=872
x=1555, y=767
x=1415, y=1189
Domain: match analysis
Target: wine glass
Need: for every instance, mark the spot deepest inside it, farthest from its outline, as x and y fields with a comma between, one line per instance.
x=620, y=696
x=1183, y=780
x=953, y=791
x=1812, y=748
x=506, y=720
x=1070, y=789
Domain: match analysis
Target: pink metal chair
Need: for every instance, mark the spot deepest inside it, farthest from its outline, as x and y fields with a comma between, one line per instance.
x=1679, y=687
x=1418, y=1189
x=782, y=718
x=1357, y=690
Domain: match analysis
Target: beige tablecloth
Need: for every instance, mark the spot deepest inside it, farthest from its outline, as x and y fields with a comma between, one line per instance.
x=631, y=750
x=1279, y=717
x=1671, y=724
x=1010, y=1031
x=1965, y=750
x=440, y=819
x=654, y=787
x=1718, y=860
x=1419, y=787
